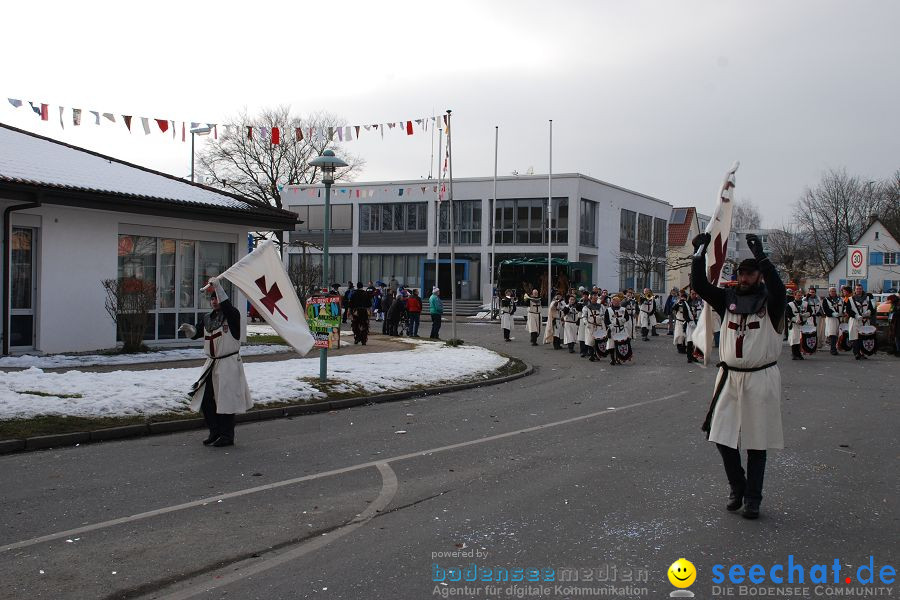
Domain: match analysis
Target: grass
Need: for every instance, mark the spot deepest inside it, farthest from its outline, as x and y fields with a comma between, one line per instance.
x=51, y=424
x=255, y=340
x=49, y=395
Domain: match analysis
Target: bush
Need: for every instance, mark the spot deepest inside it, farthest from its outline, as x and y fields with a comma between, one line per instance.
x=128, y=303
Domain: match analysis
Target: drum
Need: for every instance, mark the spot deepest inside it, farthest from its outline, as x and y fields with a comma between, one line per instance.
x=809, y=340
x=622, y=345
x=844, y=338
x=867, y=339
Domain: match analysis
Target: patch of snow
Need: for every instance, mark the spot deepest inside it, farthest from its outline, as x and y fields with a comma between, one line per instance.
x=122, y=393
x=61, y=361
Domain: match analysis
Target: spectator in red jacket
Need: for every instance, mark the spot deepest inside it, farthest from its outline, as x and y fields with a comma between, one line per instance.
x=414, y=309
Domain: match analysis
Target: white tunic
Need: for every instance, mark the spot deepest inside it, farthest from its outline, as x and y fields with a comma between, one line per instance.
x=594, y=325
x=550, y=328
x=647, y=317
x=858, y=314
x=797, y=318
x=582, y=324
x=506, y=315
x=227, y=373
x=533, y=321
x=748, y=412
x=832, y=321
x=618, y=323
x=570, y=326
x=684, y=325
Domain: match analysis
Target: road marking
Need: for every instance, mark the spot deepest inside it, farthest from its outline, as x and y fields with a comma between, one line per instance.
x=254, y=566
x=295, y=480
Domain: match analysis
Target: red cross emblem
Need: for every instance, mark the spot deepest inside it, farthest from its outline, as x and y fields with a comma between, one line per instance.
x=270, y=297
x=742, y=328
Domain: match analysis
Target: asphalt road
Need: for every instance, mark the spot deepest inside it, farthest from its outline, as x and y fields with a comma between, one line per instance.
x=579, y=466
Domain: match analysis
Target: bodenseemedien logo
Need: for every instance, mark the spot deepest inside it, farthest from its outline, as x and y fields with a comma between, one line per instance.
x=682, y=574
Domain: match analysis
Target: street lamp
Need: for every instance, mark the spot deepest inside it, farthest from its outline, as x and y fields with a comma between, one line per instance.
x=328, y=163
x=204, y=130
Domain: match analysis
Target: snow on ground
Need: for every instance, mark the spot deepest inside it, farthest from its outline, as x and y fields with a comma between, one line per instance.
x=89, y=360
x=165, y=390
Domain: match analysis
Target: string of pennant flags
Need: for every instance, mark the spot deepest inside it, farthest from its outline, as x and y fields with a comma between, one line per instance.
x=351, y=192
x=274, y=135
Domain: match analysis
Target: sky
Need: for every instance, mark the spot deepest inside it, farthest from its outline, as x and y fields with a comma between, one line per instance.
x=660, y=97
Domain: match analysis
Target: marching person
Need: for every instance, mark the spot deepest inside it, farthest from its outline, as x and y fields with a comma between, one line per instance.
x=796, y=318
x=812, y=306
x=570, y=324
x=669, y=309
x=551, y=330
x=833, y=310
x=746, y=406
x=221, y=391
x=860, y=311
x=617, y=321
x=360, y=301
x=647, y=316
x=594, y=328
x=695, y=303
x=582, y=322
x=507, y=309
x=630, y=306
x=533, y=320
x=682, y=314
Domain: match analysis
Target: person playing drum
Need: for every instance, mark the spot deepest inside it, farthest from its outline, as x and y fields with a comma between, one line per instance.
x=859, y=312
x=833, y=310
x=796, y=319
x=618, y=325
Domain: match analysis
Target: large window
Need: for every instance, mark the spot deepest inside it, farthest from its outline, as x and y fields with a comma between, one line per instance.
x=660, y=231
x=644, y=234
x=383, y=267
x=626, y=274
x=178, y=268
x=400, y=216
x=339, y=266
x=466, y=221
x=313, y=217
x=587, y=230
x=627, y=225
x=523, y=221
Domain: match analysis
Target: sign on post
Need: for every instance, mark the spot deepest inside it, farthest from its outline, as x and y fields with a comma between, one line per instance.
x=323, y=313
x=857, y=262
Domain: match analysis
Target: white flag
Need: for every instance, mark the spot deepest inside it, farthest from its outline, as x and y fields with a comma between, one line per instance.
x=262, y=278
x=719, y=228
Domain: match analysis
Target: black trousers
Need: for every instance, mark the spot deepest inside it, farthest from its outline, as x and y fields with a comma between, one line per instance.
x=832, y=341
x=219, y=425
x=506, y=334
x=435, y=325
x=751, y=484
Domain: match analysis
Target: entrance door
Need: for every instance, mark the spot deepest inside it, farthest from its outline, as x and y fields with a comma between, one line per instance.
x=23, y=289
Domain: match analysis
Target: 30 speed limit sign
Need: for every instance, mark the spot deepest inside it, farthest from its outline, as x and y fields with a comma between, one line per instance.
x=857, y=262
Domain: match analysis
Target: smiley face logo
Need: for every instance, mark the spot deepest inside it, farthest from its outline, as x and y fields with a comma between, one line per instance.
x=682, y=573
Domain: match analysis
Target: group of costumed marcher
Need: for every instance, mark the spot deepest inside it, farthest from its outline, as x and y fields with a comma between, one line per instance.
x=847, y=322
x=600, y=324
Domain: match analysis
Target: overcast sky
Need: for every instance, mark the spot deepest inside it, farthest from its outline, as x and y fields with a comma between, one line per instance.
x=660, y=97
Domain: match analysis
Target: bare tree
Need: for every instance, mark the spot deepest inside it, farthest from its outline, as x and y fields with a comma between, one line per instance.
x=745, y=215
x=128, y=303
x=834, y=214
x=790, y=252
x=303, y=274
x=246, y=162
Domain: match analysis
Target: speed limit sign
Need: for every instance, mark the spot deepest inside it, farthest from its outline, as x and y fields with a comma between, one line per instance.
x=857, y=262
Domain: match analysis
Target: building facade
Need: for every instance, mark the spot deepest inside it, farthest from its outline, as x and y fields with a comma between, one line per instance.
x=75, y=218
x=884, y=261
x=400, y=230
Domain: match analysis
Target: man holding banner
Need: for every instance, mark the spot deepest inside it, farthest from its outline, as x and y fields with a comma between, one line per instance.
x=221, y=391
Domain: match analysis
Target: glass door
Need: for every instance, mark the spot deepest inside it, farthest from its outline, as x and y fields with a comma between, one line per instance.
x=23, y=289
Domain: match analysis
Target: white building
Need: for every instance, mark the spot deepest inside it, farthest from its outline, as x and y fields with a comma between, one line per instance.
x=73, y=218
x=884, y=261
x=381, y=230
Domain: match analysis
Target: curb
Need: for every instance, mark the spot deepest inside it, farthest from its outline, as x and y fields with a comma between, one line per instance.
x=265, y=414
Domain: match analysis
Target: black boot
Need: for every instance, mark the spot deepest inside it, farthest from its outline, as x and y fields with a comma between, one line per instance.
x=534, y=338
x=583, y=348
x=506, y=334
x=690, y=352
x=571, y=346
x=737, y=481
x=832, y=341
x=756, y=472
x=653, y=332
x=644, y=333
x=795, y=350
x=556, y=343
x=681, y=348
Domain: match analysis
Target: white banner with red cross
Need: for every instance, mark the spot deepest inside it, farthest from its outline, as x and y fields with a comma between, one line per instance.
x=262, y=278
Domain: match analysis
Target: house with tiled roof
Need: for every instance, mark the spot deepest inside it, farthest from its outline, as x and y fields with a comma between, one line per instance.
x=684, y=225
x=73, y=218
x=883, y=243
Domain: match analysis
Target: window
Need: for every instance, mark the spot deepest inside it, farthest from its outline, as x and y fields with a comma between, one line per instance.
x=644, y=233
x=626, y=273
x=587, y=235
x=679, y=215
x=401, y=216
x=627, y=224
x=660, y=229
x=891, y=258
x=313, y=217
x=466, y=221
x=177, y=268
x=339, y=265
x=405, y=268
x=522, y=221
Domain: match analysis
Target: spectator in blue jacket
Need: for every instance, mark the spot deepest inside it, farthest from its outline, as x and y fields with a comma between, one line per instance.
x=436, y=308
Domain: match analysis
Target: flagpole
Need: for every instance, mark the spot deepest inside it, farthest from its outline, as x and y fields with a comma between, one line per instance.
x=452, y=231
x=550, y=224
x=437, y=212
x=493, y=219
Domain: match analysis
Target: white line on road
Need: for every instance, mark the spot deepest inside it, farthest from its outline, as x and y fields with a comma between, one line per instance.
x=295, y=480
x=253, y=566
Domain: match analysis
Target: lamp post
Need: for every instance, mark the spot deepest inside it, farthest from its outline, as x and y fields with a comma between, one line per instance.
x=204, y=130
x=328, y=163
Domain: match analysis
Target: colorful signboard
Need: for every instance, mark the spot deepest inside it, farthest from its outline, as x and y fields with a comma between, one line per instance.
x=323, y=314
